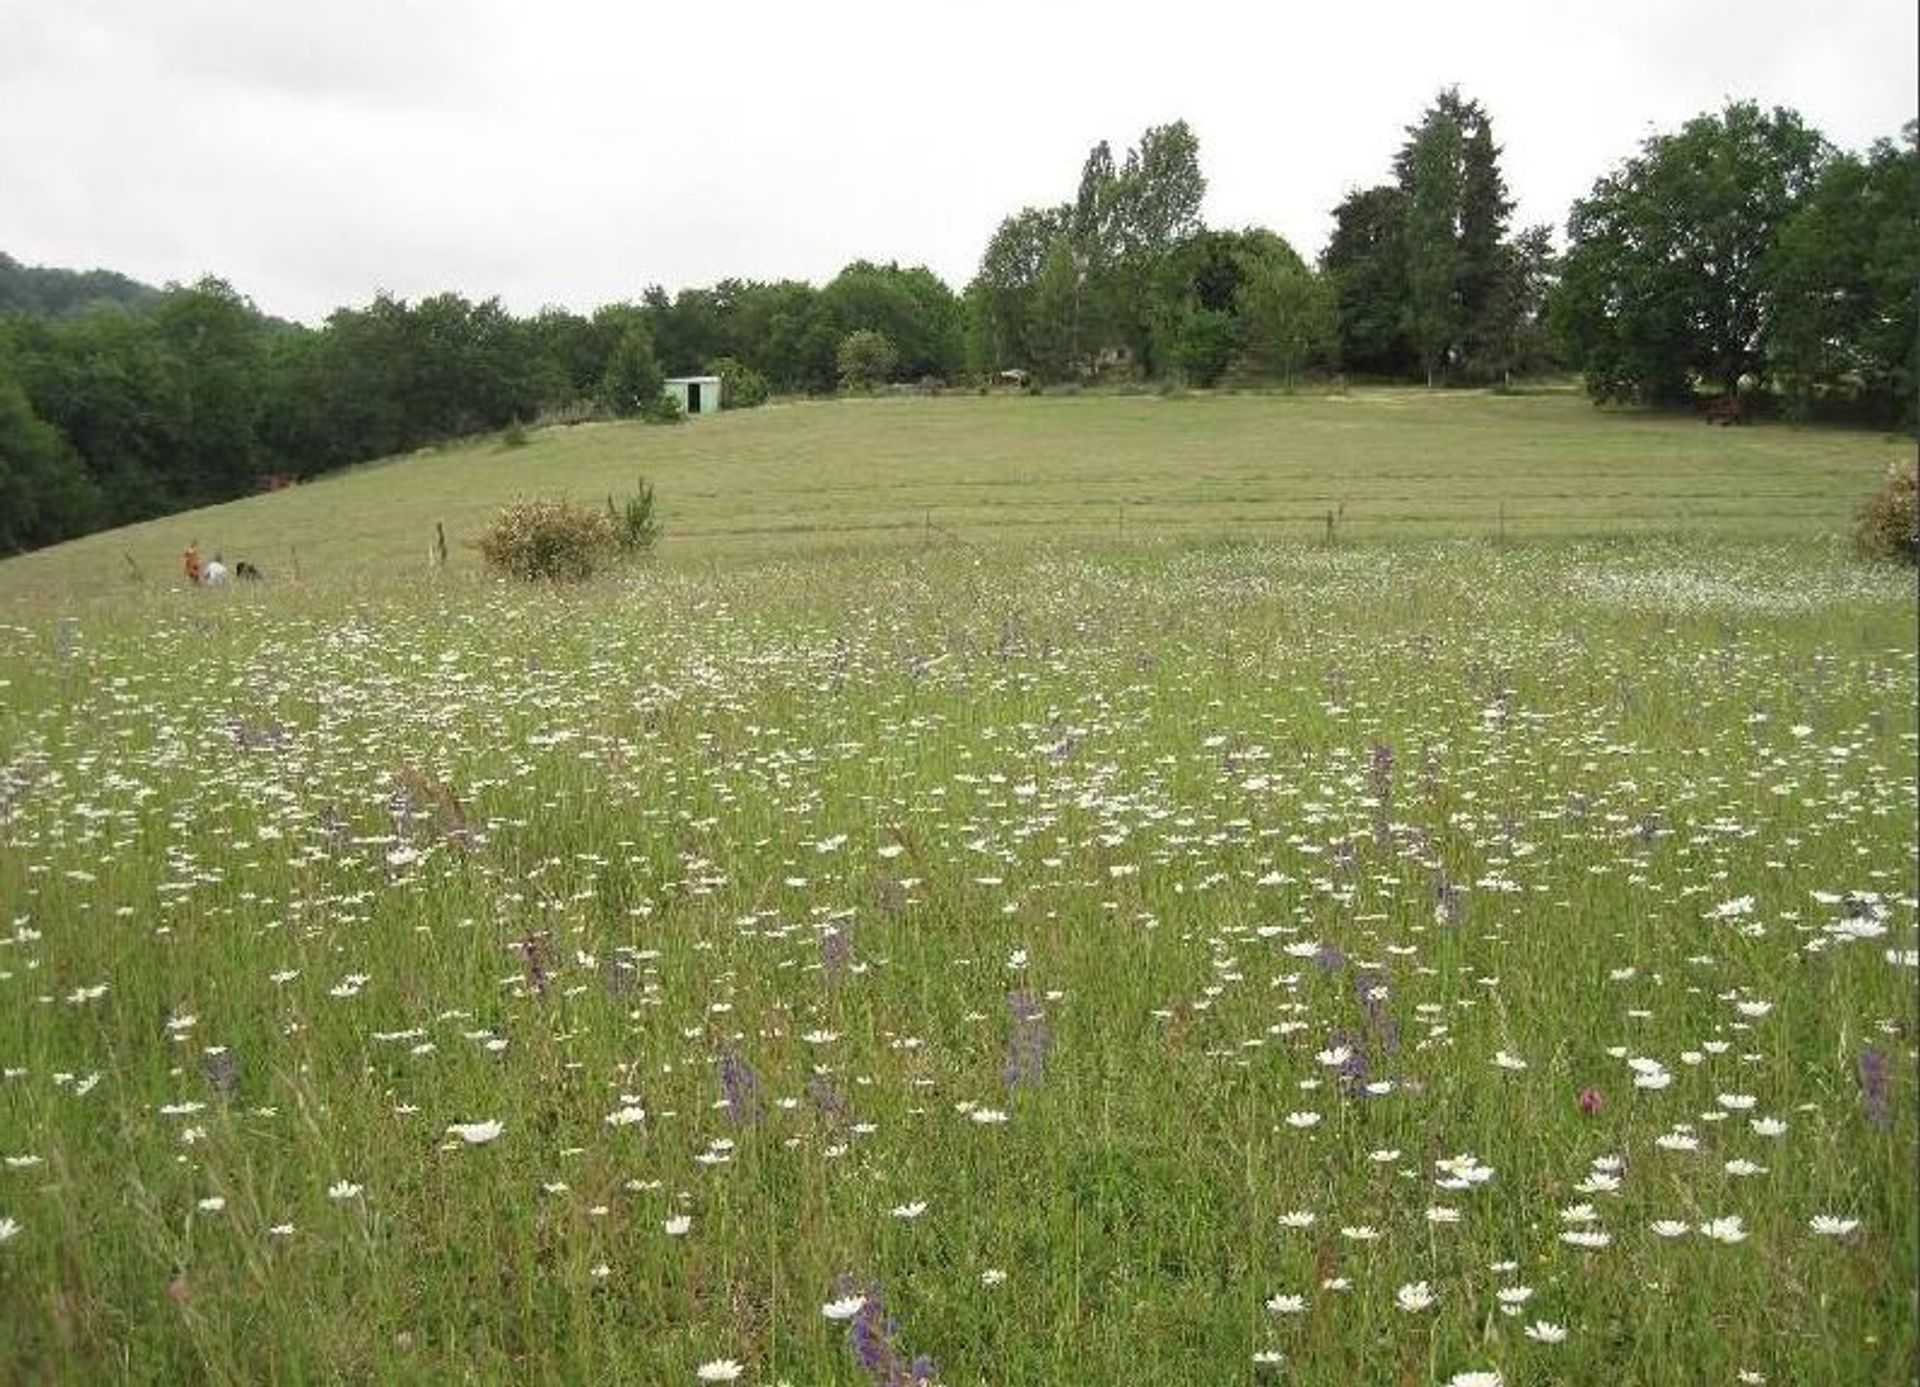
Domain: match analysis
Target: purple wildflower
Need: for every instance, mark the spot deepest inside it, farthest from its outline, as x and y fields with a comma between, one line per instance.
x=873, y=1336
x=1875, y=1085
x=740, y=1086
x=836, y=951
x=1028, y=1043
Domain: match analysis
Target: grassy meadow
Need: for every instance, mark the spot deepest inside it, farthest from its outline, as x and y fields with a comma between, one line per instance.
x=996, y=899
x=1389, y=465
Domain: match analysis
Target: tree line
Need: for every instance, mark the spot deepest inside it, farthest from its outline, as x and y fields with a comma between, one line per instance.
x=1740, y=254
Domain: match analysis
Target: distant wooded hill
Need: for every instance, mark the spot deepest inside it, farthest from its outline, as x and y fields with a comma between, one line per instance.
x=41, y=291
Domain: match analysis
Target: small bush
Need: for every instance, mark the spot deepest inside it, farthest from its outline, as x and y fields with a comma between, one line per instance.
x=635, y=528
x=741, y=387
x=1887, y=527
x=514, y=435
x=665, y=409
x=545, y=539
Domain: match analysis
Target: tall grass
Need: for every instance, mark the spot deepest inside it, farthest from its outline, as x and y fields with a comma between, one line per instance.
x=1064, y=956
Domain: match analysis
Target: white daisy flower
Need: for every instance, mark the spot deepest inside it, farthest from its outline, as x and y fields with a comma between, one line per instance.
x=1725, y=1230
x=843, y=1309
x=1414, y=1297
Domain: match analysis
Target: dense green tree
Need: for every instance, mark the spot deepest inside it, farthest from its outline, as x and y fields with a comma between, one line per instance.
x=1453, y=238
x=1429, y=174
x=1004, y=291
x=1101, y=291
x=46, y=493
x=1365, y=260
x=108, y=382
x=687, y=329
x=1665, y=280
x=1286, y=312
x=912, y=308
x=866, y=358
x=1842, y=279
x=741, y=387
x=38, y=291
x=1192, y=305
x=1055, y=351
x=632, y=383
x=1156, y=208
x=1517, y=340
x=217, y=343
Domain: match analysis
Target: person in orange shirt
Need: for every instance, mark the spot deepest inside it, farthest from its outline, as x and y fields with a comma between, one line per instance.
x=192, y=563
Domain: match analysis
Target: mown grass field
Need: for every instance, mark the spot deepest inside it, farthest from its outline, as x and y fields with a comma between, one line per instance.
x=1024, y=949
x=1389, y=465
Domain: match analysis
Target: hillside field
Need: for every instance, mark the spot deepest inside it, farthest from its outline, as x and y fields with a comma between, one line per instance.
x=1388, y=464
x=997, y=898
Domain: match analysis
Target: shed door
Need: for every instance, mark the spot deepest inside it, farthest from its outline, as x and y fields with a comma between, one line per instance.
x=693, y=397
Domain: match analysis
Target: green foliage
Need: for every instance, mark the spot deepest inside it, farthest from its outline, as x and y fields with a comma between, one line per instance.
x=1053, y=336
x=46, y=493
x=632, y=385
x=741, y=387
x=635, y=527
x=37, y=291
x=1003, y=294
x=1287, y=315
x=1454, y=236
x=1666, y=278
x=1887, y=527
x=1844, y=330
x=1061, y=289
x=911, y=308
x=1366, y=262
x=1427, y=283
x=550, y=540
x=514, y=435
x=664, y=408
x=865, y=359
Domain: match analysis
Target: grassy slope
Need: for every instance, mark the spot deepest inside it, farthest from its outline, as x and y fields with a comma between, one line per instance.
x=1152, y=774
x=1392, y=464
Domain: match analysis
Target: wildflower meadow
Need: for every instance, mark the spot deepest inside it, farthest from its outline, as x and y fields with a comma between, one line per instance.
x=1438, y=961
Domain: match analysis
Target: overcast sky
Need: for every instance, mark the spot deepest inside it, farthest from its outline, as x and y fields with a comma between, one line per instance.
x=575, y=151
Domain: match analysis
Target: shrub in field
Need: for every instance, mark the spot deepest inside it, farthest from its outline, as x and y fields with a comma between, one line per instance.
x=635, y=528
x=865, y=359
x=549, y=539
x=665, y=409
x=1888, y=525
x=741, y=387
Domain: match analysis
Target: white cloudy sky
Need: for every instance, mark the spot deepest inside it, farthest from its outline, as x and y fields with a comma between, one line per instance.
x=574, y=151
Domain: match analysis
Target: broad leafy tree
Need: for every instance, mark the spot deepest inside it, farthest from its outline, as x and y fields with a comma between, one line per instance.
x=1666, y=279
x=866, y=359
x=1842, y=281
x=1287, y=312
x=1366, y=261
x=46, y=492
